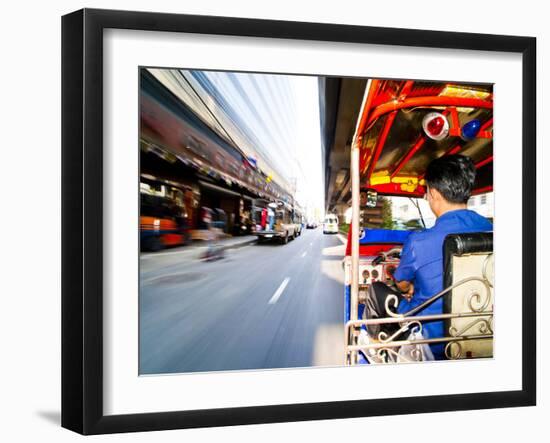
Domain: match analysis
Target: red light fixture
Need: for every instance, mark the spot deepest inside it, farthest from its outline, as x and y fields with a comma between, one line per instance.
x=435, y=126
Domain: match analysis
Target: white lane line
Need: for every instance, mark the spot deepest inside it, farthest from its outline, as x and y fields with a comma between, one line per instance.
x=304, y=254
x=343, y=239
x=279, y=291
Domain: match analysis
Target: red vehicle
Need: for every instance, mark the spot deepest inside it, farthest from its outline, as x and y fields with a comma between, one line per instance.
x=162, y=223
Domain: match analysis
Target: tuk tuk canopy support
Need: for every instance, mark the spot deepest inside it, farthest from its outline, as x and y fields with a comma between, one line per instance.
x=415, y=148
x=431, y=101
x=484, y=162
x=381, y=142
x=390, y=182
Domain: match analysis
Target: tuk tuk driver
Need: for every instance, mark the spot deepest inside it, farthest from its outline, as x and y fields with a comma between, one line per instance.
x=419, y=276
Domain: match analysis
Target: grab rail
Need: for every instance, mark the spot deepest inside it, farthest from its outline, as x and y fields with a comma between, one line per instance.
x=408, y=322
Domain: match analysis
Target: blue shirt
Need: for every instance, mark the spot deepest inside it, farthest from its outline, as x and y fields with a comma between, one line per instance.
x=422, y=264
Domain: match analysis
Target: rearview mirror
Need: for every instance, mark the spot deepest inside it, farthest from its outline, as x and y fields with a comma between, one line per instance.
x=372, y=198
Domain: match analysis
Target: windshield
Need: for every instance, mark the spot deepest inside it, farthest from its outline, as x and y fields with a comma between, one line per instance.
x=395, y=213
x=410, y=214
x=331, y=219
x=406, y=214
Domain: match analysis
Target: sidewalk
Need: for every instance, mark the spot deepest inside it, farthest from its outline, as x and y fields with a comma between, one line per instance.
x=231, y=242
x=196, y=246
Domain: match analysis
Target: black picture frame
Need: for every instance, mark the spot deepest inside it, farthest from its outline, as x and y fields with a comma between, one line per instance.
x=82, y=219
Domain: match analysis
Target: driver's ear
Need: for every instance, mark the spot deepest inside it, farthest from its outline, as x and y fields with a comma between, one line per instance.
x=435, y=195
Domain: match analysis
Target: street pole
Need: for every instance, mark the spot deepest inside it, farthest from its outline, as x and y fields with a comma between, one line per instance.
x=355, y=179
x=355, y=197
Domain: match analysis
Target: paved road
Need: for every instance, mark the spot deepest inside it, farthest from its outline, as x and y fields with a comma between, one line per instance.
x=262, y=306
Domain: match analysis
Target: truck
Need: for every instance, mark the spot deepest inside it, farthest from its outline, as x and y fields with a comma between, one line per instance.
x=275, y=221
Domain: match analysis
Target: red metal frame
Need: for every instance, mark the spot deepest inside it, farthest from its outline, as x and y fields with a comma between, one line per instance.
x=454, y=150
x=370, y=250
x=374, y=87
x=419, y=143
x=483, y=132
x=415, y=102
x=455, y=129
x=485, y=125
x=370, y=114
x=484, y=162
x=482, y=190
x=381, y=142
x=375, y=84
x=395, y=189
x=406, y=89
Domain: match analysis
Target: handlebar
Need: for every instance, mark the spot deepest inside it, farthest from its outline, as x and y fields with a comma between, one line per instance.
x=383, y=256
x=377, y=260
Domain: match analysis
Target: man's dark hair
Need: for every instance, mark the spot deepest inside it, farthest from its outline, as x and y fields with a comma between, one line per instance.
x=453, y=176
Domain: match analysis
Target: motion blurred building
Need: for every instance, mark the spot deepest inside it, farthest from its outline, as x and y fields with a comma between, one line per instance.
x=205, y=144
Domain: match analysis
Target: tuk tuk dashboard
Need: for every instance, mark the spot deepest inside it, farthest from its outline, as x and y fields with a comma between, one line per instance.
x=379, y=256
x=377, y=268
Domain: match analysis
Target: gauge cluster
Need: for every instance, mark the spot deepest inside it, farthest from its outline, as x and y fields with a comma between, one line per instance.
x=368, y=273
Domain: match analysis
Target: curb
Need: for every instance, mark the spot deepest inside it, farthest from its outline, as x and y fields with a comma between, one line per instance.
x=343, y=237
x=240, y=244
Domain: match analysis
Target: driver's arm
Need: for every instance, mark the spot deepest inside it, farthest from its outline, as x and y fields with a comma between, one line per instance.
x=407, y=288
x=403, y=286
x=405, y=273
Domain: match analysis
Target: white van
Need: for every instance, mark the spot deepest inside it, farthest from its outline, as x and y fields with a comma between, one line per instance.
x=330, y=226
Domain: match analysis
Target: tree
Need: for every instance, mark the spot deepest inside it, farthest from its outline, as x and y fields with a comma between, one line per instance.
x=387, y=216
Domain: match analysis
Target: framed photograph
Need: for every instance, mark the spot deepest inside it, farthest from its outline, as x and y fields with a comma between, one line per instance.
x=269, y=221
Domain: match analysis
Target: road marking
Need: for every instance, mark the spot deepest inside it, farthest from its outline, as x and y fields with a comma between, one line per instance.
x=304, y=253
x=279, y=291
x=343, y=239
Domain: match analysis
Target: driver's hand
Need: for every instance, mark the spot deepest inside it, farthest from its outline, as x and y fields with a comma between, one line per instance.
x=409, y=294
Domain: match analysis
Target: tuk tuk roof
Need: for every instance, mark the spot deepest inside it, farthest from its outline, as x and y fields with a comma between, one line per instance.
x=395, y=150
